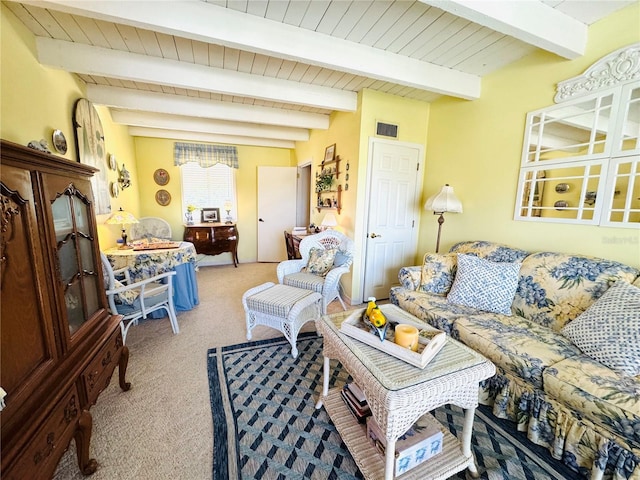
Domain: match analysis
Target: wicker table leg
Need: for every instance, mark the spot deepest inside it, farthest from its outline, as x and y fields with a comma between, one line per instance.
x=325, y=383
x=467, y=430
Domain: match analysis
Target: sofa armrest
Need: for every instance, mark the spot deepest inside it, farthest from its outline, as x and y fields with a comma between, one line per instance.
x=409, y=277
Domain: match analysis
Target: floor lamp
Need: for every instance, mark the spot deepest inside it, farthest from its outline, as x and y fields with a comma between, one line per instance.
x=443, y=201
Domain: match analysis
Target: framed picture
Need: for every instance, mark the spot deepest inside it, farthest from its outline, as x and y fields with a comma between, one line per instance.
x=210, y=215
x=330, y=153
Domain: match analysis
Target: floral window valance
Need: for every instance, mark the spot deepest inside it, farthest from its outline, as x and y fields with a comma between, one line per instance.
x=205, y=155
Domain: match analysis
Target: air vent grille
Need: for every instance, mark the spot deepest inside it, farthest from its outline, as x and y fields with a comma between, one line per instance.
x=387, y=130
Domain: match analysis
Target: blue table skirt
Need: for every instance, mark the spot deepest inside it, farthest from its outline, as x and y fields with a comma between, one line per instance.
x=185, y=290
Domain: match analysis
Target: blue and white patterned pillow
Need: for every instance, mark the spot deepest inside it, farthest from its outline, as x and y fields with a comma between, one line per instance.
x=484, y=285
x=609, y=330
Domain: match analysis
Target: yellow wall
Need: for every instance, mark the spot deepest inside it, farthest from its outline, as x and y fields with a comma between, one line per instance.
x=350, y=132
x=153, y=153
x=476, y=147
x=36, y=100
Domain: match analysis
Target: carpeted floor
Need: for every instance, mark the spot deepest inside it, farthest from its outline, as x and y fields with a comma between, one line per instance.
x=266, y=425
x=161, y=429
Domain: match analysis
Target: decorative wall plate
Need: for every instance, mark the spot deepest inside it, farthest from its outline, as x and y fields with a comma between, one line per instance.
x=161, y=176
x=561, y=205
x=562, y=187
x=115, y=189
x=59, y=141
x=113, y=165
x=163, y=197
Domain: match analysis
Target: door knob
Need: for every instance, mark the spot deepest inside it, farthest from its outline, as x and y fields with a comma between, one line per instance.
x=373, y=235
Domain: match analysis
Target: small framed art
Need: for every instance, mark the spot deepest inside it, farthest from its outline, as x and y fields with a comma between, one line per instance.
x=330, y=153
x=210, y=215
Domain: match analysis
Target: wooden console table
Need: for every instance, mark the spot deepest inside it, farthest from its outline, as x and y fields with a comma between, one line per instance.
x=214, y=239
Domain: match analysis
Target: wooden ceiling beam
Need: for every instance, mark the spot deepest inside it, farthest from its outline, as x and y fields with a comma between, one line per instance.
x=90, y=60
x=208, y=137
x=202, y=125
x=210, y=23
x=529, y=21
x=131, y=99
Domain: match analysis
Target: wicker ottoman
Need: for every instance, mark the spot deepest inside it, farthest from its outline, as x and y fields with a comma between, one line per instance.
x=281, y=307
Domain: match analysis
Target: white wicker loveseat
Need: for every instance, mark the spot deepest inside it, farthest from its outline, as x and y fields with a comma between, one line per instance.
x=557, y=388
x=296, y=273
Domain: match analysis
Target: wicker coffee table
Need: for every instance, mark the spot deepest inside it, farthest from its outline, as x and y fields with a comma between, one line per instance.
x=398, y=395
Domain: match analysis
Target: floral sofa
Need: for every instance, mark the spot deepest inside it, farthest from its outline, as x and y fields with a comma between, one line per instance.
x=564, y=396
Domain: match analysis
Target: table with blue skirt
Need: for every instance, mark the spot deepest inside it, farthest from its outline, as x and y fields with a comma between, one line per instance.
x=143, y=264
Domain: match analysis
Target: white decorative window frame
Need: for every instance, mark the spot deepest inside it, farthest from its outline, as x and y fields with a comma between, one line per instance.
x=612, y=150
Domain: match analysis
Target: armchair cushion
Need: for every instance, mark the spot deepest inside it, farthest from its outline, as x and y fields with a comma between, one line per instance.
x=484, y=285
x=609, y=330
x=438, y=272
x=127, y=297
x=342, y=258
x=321, y=260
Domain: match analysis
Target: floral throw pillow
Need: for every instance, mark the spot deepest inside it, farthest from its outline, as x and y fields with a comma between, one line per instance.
x=484, y=285
x=609, y=330
x=321, y=260
x=438, y=272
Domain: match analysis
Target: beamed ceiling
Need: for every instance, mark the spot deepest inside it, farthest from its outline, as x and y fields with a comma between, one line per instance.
x=264, y=72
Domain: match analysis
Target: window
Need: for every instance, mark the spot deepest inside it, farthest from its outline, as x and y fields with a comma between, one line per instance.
x=209, y=187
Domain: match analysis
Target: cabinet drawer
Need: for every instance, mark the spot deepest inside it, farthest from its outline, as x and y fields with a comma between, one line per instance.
x=97, y=375
x=42, y=452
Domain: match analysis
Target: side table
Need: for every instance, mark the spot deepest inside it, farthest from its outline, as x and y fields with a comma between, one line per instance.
x=399, y=394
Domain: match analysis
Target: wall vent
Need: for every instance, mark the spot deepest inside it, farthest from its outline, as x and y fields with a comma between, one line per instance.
x=386, y=130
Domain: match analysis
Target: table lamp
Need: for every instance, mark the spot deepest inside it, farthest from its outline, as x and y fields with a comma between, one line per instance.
x=123, y=218
x=329, y=221
x=443, y=201
x=227, y=208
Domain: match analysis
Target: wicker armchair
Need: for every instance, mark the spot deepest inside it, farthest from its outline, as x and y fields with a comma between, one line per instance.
x=293, y=272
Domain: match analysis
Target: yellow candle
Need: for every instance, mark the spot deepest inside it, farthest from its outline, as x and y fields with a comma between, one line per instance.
x=407, y=336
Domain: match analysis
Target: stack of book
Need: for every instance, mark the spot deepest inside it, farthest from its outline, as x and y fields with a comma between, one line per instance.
x=356, y=401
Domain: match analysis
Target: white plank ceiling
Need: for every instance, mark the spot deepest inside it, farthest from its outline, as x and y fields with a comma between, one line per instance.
x=263, y=72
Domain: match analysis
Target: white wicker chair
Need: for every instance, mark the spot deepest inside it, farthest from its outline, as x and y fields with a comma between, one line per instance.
x=150, y=295
x=149, y=227
x=290, y=272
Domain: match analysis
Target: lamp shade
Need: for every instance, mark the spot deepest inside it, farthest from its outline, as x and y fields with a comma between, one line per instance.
x=121, y=217
x=444, y=201
x=329, y=220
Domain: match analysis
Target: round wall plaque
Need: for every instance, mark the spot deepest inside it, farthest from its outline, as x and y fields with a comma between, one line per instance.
x=161, y=176
x=163, y=197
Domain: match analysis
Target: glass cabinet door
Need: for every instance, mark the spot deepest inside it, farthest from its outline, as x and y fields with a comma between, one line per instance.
x=76, y=259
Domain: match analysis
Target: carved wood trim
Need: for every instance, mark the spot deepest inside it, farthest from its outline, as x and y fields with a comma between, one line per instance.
x=618, y=67
x=10, y=202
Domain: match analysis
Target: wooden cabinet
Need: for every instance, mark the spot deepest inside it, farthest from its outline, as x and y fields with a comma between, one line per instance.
x=55, y=326
x=213, y=239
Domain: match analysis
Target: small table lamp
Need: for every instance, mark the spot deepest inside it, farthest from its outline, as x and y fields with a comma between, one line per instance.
x=443, y=201
x=123, y=218
x=329, y=221
x=227, y=208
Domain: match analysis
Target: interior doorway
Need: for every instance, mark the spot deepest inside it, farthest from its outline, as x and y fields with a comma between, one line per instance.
x=303, y=204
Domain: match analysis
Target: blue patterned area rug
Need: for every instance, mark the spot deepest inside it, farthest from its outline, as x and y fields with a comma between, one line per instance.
x=266, y=425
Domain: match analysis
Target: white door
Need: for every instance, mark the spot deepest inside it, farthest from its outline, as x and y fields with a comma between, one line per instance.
x=395, y=172
x=276, y=211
